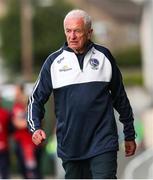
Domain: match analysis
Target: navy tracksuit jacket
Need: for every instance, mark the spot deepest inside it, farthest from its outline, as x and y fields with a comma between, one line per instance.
x=86, y=88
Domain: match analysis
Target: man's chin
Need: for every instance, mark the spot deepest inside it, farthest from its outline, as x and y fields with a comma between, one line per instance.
x=75, y=48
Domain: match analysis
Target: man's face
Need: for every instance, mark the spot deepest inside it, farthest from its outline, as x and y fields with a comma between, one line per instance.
x=77, y=34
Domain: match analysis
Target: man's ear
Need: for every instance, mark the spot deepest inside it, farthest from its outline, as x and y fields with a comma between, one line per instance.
x=90, y=31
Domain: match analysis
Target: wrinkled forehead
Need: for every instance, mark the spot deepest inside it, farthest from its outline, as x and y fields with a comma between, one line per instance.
x=74, y=22
x=74, y=19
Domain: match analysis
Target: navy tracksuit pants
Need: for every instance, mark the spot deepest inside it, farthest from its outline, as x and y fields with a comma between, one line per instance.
x=103, y=166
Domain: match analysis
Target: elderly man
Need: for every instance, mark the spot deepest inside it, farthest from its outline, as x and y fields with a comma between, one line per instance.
x=87, y=85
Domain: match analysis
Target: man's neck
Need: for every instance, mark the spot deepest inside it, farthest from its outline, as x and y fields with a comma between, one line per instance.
x=83, y=50
x=79, y=51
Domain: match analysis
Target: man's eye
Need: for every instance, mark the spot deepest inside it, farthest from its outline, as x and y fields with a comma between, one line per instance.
x=68, y=30
x=78, y=31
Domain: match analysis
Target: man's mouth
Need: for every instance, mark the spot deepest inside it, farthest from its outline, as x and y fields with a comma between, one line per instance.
x=73, y=42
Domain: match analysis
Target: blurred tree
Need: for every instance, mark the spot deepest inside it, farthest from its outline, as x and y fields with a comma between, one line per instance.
x=26, y=39
x=10, y=36
x=47, y=27
x=129, y=57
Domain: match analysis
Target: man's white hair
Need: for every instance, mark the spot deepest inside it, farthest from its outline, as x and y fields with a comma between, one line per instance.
x=79, y=13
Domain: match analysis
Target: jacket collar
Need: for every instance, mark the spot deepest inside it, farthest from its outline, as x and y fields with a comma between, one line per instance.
x=89, y=46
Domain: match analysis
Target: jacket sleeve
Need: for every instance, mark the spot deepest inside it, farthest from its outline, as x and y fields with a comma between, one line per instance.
x=39, y=96
x=120, y=100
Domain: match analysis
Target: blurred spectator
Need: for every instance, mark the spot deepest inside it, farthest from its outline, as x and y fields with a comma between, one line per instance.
x=28, y=155
x=4, y=142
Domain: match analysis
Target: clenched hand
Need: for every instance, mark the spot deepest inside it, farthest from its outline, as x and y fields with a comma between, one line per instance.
x=38, y=136
x=130, y=148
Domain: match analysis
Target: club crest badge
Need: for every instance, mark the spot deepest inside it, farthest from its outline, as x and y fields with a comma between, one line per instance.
x=94, y=63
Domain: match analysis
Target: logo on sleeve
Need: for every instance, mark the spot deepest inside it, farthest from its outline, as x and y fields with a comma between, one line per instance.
x=94, y=63
x=60, y=60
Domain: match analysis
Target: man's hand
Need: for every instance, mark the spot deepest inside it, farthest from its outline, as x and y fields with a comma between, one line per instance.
x=38, y=136
x=130, y=148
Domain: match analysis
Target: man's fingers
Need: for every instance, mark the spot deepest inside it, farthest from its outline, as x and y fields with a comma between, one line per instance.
x=36, y=139
x=38, y=136
x=43, y=135
x=130, y=148
x=129, y=153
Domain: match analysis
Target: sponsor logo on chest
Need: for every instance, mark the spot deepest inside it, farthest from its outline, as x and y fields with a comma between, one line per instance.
x=65, y=68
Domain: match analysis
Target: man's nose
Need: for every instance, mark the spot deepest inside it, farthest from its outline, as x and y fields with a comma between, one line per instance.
x=73, y=35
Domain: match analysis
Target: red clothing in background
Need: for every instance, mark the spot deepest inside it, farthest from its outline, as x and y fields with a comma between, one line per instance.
x=4, y=124
x=23, y=136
